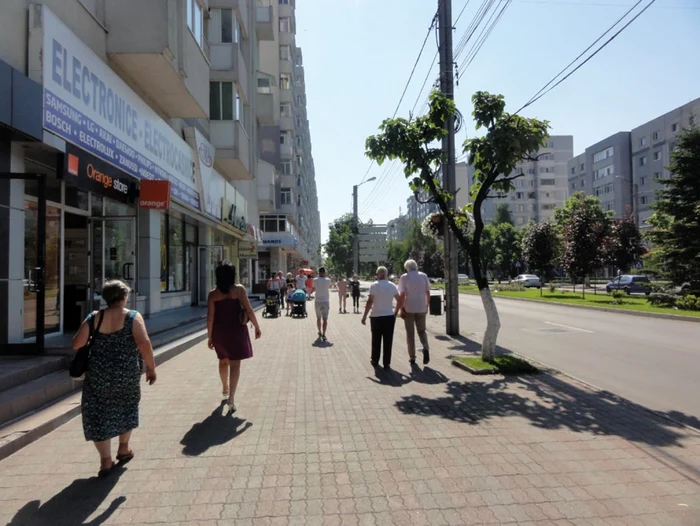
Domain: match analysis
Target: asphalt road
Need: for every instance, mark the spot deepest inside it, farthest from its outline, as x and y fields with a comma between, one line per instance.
x=651, y=361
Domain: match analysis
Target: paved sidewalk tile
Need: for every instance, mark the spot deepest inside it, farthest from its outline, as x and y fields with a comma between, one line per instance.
x=322, y=438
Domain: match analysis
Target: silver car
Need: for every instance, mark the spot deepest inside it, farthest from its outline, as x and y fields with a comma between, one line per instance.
x=527, y=280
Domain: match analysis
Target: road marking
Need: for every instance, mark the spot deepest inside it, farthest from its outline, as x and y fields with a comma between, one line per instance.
x=567, y=327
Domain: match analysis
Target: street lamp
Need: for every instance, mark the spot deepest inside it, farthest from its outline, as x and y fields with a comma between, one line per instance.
x=355, y=251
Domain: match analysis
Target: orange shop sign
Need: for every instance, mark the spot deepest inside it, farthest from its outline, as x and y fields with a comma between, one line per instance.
x=154, y=194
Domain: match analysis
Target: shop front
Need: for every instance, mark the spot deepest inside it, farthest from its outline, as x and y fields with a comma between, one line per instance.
x=277, y=247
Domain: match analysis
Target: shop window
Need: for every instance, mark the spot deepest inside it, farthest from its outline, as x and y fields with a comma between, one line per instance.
x=173, y=263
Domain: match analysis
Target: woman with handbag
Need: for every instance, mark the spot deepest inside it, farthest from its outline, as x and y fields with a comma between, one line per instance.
x=117, y=346
x=228, y=314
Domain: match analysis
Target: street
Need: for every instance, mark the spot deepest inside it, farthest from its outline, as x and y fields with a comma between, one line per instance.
x=653, y=362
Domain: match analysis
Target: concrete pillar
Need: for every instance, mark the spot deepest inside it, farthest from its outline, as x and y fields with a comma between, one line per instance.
x=149, y=258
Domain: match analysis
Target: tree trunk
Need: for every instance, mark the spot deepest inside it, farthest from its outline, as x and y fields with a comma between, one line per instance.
x=493, y=325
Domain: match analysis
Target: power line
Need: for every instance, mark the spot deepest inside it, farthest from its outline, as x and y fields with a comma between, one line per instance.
x=461, y=12
x=599, y=4
x=486, y=32
x=549, y=86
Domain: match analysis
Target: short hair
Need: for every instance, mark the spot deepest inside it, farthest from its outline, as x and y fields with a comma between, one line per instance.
x=225, y=276
x=115, y=291
x=410, y=265
x=382, y=271
x=322, y=270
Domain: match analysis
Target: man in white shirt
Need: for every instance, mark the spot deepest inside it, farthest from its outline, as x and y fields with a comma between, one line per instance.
x=322, y=288
x=383, y=318
x=414, y=287
x=301, y=280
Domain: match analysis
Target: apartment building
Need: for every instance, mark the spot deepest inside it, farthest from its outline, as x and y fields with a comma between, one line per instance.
x=134, y=140
x=623, y=170
x=399, y=228
x=605, y=170
x=419, y=209
x=542, y=188
x=289, y=215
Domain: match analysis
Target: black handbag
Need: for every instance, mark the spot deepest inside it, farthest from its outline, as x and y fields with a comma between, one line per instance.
x=79, y=364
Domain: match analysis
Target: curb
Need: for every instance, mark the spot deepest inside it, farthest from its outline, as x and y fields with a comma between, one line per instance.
x=660, y=315
x=18, y=439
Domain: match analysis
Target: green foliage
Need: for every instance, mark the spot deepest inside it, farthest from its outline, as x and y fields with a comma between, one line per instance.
x=562, y=214
x=618, y=297
x=339, y=245
x=623, y=244
x=675, y=225
x=552, y=287
x=505, y=364
x=507, y=243
x=510, y=287
x=584, y=231
x=541, y=247
x=661, y=299
x=688, y=302
x=502, y=215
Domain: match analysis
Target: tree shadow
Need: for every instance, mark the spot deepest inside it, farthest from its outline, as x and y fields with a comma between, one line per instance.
x=389, y=377
x=74, y=504
x=215, y=430
x=427, y=375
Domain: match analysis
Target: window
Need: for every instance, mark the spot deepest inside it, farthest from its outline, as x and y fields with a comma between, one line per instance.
x=531, y=182
x=602, y=155
x=520, y=208
x=655, y=136
x=597, y=191
x=531, y=171
x=286, y=167
x=643, y=161
x=609, y=206
x=285, y=25
x=300, y=161
x=298, y=122
x=642, y=180
x=573, y=186
x=222, y=105
x=284, y=2
x=195, y=20
x=608, y=188
x=547, y=182
x=674, y=127
x=264, y=85
x=285, y=81
x=549, y=206
x=691, y=120
x=300, y=100
x=583, y=167
x=298, y=61
x=642, y=141
x=173, y=264
x=644, y=200
x=657, y=156
x=546, y=170
x=573, y=170
x=519, y=195
x=521, y=220
x=229, y=27
x=531, y=195
x=286, y=196
x=286, y=109
x=286, y=138
x=285, y=53
x=300, y=142
x=657, y=176
x=603, y=172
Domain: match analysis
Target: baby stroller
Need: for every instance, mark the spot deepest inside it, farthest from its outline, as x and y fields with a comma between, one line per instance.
x=272, y=304
x=299, y=304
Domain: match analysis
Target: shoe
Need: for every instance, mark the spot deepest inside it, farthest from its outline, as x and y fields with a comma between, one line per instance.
x=231, y=406
x=412, y=362
x=345, y=311
x=126, y=457
x=374, y=364
x=104, y=472
x=387, y=367
x=320, y=335
x=323, y=337
x=426, y=356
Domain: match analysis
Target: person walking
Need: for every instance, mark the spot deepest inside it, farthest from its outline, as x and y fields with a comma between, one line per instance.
x=342, y=295
x=414, y=288
x=321, y=286
x=291, y=284
x=382, y=294
x=301, y=280
x=283, y=287
x=355, y=292
x=228, y=314
x=112, y=390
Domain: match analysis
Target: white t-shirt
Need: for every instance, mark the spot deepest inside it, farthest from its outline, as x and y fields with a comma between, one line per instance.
x=415, y=285
x=323, y=290
x=301, y=281
x=382, y=293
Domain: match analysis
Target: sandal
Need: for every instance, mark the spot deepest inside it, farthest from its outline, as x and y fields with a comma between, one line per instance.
x=104, y=472
x=126, y=457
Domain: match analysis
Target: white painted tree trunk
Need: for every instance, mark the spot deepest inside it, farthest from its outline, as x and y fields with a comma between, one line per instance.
x=493, y=325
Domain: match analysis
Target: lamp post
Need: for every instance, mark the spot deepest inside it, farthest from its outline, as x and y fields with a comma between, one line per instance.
x=355, y=248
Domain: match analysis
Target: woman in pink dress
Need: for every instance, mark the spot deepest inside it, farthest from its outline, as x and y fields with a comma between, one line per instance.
x=227, y=328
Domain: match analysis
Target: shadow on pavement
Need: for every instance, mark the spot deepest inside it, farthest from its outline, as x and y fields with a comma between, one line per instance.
x=321, y=344
x=391, y=378
x=74, y=504
x=217, y=429
x=427, y=375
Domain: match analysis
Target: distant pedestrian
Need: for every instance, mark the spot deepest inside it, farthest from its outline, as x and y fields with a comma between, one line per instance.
x=283, y=287
x=414, y=288
x=322, y=287
x=342, y=295
x=291, y=285
x=382, y=294
x=112, y=390
x=301, y=280
x=309, y=285
x=228, y=314
x=355, y=292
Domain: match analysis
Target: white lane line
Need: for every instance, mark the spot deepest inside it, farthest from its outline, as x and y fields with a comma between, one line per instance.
x=568, y=327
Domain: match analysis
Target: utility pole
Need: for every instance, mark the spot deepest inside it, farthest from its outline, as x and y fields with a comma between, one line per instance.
x=448, y=166
x=355, y=251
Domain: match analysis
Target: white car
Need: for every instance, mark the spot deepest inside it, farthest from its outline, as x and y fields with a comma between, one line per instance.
x=527, y=280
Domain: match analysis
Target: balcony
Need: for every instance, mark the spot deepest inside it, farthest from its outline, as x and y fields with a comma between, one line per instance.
x=240, y=9
x=228, y=64
x=287, y=150
x=266, y=109
x=287, y=66
x=266, y=198
x=232, y=150
x=289, y=210
x=264, y=22
x=286, y=123
x=287, y=39
x=286, y=95
x=288, y=181
x=152, y=48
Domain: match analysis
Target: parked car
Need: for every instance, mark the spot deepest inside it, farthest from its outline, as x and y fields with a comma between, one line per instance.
x=462, y=279
x=527, y=280
x=630, y=284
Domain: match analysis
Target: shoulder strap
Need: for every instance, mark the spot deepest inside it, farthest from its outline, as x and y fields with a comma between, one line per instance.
x=99, y=321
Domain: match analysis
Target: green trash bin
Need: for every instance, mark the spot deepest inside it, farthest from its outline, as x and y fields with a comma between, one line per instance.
x=436, y=304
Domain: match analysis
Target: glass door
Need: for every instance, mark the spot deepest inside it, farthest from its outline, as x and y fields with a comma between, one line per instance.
x=209, y=258
x=113, y=255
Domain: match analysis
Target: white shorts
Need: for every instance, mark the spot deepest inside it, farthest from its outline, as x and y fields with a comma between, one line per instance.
x=322, y=309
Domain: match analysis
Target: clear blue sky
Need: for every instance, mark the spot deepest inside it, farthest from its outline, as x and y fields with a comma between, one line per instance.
x=358, y=55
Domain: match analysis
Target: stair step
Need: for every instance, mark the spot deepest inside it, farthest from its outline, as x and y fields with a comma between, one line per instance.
x=20, y=370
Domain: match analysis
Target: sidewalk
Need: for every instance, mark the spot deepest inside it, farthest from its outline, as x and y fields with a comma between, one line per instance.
x=319, y=438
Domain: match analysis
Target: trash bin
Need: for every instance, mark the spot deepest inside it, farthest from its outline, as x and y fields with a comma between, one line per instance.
x=436, y=304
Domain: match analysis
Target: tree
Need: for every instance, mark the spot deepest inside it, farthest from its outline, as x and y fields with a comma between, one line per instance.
x=675, y=225
x=509, y=139
x=503, y=215
x=507, y=241
x=488, y=250
x=562, y=215
x=339, y=245
x=584, y=234
x=541, y=248
x=623, y=244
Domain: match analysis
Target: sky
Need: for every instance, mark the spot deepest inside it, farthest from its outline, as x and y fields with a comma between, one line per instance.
x=358, y=55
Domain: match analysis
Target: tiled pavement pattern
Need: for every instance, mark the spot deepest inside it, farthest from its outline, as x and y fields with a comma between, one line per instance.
x=320, y=439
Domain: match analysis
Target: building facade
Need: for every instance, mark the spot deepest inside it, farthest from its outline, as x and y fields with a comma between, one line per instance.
x=542, y=188
x=289, y=216
x=420, y=210
x=135, y=139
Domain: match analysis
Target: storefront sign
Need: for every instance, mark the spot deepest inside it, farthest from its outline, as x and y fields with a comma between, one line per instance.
x=87, y=104
x=283, y=239
x=231, y=217
x=247, y=250
x=155, y=195
x=89, y=173
x=213, y=185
